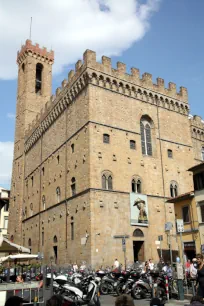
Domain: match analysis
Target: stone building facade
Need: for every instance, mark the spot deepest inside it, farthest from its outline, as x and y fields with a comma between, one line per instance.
x=81, y=154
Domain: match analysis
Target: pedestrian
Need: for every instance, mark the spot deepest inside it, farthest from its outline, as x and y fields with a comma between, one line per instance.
x=151, y=265
x=146, y=266
x=193, y=269
x=200, y=273
x=116, y=264
x=75, y=267
x=14, y=301
x=124, y=300
x=55, y=300
x=187, y=267
x=167, y=269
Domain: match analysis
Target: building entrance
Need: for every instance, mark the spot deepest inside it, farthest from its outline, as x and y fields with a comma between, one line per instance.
x=138, y=250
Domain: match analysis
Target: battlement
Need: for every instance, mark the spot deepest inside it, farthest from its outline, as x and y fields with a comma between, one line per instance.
x=197, y=122
x=145, y=81
x=89, y=70
x=35, y=50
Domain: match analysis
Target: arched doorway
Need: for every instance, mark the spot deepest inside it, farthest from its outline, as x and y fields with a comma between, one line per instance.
x=138, y=245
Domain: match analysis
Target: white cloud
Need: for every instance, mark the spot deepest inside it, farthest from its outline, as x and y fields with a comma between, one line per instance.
x=6, y=158
x=11, y=116
x=70, y=27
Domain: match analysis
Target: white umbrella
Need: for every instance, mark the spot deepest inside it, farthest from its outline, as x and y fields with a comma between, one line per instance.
x=18, y=257
x=7, y=246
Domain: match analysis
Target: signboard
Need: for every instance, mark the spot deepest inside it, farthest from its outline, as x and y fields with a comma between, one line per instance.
x=168, y=226
x=157, y=242
x=138, y=209
x=180, y=227
x=123, y=244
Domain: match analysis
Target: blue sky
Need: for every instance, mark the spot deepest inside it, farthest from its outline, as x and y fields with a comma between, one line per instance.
x=170, y=45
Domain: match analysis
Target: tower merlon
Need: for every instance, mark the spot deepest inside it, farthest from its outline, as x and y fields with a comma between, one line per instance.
x=29, y=48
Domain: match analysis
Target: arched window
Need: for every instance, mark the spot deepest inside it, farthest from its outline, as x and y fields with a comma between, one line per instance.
x=110, y=183
x=107, y=180
x=202, y=153
x=146, y=137
x=138, y=233
x=136, y=185
x=29, y=242
x=43, y=202
x=58, y=194
x=55, y=239
x=73, y=186
x=173, y=189
x=103, y=181
x=38, y=80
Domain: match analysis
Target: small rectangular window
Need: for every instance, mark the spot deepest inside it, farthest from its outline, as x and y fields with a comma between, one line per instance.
x=72, y=230
x=186, y=214
x=202, y=211
x=32, y=181
x=72, y=147
x=6, y=206
x=43, y=171
x=170, y=153
x=106, y=138
x=42, y=238
x=58, y=159
x=132, y=144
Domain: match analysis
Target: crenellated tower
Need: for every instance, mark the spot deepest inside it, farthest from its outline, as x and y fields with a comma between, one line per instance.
x=34, y=90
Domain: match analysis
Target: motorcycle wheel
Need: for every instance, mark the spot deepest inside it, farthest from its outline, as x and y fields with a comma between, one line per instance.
x=119, y=289
x=137, y=292
x=104, y=288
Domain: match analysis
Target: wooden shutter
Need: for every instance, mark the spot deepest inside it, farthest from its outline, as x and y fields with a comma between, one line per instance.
x=142, y=138
x=148, y=139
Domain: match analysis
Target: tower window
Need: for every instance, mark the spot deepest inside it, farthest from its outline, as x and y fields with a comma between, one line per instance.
x=106, y=138
x=72, y=230
x=38, y=81
x=58, y=159
x=132, y=145
x=170, y=153
x=58, y=194
x=43, y=202
x=23, y=67
x=43, y=171
x=73, y=186
x=32, y=181
x=42, y=238
x=72, y=147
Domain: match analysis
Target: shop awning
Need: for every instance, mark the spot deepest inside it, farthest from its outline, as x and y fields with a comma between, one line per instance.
x=18, y=257
x=7, y=246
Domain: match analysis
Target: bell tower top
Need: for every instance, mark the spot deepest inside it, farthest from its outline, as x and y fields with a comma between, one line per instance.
x=34, y=50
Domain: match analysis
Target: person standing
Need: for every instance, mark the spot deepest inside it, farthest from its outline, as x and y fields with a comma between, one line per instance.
x=116, y=264
x=151, y=265
x=200, y=273
x=193, y=269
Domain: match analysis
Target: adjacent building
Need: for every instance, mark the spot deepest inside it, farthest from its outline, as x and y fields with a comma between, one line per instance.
x=185, y=209
x=198, y=178
x=98, y=161
x=4, y=210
